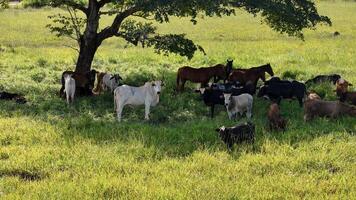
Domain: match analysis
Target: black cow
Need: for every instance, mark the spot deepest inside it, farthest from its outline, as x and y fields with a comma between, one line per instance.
x=84, y=82
x=12, y=96
x=237, y=134
x=214, y=95
x=324, y=78
x=276, y=90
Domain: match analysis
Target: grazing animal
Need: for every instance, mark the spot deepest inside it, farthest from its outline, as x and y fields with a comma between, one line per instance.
x=84, y=82
x=69, y=87
x=213, y=95
x=237, y=134
x=201, y=75
x=342, y=86
x=147, y=95
x=275, y=120
x=313, y=96
x=276, y=90
x=12, y=96
x=348, y=97
x=105, y=81
x=332, y=109
x=253, y=74
x=342, y=91
x=323, y=79
x=238, y=104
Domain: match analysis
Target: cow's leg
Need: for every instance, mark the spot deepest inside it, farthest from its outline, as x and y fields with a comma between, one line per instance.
x=182, y=85
x=300, y=101
x=119, y=109
x=147, y=111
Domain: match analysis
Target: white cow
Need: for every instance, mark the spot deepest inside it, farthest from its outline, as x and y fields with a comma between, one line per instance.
x=111, y=81
x=238, y=104
x=147, y=95
x=69, y=87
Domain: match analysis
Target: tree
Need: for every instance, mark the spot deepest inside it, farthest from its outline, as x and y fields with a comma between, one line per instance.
x=284, y=16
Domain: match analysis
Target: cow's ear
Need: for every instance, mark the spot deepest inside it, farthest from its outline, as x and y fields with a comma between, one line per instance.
x=112, y=77
x=350, y=84
x=153, y=84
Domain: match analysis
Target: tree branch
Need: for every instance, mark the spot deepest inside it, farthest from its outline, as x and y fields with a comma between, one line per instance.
x=114, y=28
x=74, y=5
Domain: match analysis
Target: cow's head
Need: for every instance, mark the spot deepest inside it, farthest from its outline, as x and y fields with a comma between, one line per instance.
x=342, y=86
x=221, y=130
x=117, y=78
x=157, y=86
x=227, y=97
x=200, y=90
x=262, y=91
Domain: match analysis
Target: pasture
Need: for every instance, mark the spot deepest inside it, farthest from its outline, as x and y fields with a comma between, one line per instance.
x=49, y=150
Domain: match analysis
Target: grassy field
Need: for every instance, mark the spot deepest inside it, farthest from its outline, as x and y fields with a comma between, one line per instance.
x=51, y=151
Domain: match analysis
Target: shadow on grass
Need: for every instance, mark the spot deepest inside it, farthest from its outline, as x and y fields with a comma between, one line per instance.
x=179, y=125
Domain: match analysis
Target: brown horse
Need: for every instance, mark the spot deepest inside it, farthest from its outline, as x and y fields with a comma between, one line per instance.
x=201, y=75
x=253, y=74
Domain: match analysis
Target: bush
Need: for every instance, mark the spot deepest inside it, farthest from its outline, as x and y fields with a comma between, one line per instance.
x=34, y=3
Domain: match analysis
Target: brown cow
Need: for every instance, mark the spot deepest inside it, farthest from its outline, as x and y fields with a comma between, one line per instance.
x=342, y=91
x=332, y=109
x=276, y=121
x=84, y=82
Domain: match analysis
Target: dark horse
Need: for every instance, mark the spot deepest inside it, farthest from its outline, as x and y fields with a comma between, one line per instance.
x=202, y=75
x=251, y=75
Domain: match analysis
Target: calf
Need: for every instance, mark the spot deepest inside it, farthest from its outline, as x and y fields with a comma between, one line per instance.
x=332, y=109
x=105, y=81
x=275, y=120
x=342, y=86
x=84, y=82
x=238, y=104
x=342, y=91
x=237, y=134
x=214, y=95
x=147, y=95
x=276, y=90
x=12, y=96
x=69, y=86
x=324, y=78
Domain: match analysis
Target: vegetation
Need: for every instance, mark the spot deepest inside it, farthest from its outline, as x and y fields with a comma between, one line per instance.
x=83, y=20
x=49, y=150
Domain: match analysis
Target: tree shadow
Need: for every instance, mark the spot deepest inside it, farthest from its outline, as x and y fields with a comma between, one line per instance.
x=179, y=125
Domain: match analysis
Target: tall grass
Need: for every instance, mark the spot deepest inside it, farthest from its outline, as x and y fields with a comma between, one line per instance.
x=49, y=150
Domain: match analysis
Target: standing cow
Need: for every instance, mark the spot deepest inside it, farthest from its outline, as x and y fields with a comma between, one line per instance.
x=238, y=104
x=147, y=95
x=69, y=87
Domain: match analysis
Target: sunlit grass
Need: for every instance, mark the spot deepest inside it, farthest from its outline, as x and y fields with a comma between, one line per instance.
x=49, y=150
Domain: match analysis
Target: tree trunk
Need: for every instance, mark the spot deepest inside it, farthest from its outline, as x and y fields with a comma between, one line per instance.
x=89, y=40
x=86, y=55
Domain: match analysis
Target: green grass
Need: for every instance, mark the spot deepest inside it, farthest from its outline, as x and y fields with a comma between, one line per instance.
x=51, y=151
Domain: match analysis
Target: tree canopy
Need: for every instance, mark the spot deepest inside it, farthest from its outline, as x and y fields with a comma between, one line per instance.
x=284, y=16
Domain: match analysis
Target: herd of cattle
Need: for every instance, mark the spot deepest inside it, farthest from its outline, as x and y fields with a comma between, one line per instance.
x=232, y=88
